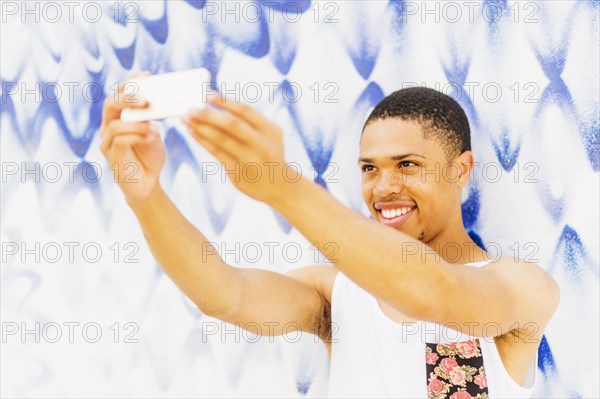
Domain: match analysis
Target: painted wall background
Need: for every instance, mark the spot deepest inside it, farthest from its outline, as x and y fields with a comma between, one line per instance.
x=74, y=262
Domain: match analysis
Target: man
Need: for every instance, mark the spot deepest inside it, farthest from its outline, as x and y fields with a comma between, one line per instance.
x=420, y=310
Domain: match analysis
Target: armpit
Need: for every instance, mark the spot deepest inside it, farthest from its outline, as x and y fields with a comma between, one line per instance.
x=323, y=321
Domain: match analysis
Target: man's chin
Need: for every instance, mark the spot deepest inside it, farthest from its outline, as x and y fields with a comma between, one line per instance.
x=404, y=228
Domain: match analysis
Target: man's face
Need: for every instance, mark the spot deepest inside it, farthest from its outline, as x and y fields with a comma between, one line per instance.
x=407, y=181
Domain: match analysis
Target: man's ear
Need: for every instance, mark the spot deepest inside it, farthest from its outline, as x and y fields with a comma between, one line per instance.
x=465, y=163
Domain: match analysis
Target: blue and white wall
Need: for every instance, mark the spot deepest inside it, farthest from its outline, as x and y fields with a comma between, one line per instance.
x=85, y=309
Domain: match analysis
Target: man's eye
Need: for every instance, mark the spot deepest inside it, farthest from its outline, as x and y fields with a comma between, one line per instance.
x=407, y=164
x=367, y=168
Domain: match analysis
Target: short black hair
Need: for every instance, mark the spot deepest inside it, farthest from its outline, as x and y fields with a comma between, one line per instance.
x=441, y=117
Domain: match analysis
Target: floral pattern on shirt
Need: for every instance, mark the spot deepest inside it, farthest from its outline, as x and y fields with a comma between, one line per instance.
x=455, y=371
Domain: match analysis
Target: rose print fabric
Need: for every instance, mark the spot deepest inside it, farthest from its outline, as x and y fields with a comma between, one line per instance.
x=455, y=371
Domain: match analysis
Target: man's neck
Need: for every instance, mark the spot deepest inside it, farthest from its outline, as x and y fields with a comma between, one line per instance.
x=456, y=246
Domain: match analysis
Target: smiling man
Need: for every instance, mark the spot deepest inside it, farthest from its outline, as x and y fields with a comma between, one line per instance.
x=420, y=310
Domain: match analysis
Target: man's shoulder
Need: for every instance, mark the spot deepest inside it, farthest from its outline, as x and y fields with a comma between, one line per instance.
x=530, y=283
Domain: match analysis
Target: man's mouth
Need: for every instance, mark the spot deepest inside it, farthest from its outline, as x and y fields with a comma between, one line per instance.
x=394, y=216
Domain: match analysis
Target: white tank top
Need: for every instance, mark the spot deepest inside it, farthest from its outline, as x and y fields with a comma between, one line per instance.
x=373, y=356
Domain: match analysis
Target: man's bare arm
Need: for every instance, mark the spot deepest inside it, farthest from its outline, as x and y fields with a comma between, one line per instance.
x=249, y=297
x=392, y=266
x=388, y=263
x=235, y=295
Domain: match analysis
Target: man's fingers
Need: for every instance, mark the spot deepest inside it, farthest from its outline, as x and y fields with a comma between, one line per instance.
x=230, y=124
x=112, y=109
x=242, y=110
x=218, y=152
x=205, y=132
x=113, y=105
x=127, y=140
x=118, y=128
x=107, y=144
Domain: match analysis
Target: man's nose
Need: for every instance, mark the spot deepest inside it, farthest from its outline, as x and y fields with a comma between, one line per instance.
x=388, y=183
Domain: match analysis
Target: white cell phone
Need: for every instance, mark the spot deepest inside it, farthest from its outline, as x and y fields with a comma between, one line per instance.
x=169, y=94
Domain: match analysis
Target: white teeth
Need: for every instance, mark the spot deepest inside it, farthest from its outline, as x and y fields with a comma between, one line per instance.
x=392, y=213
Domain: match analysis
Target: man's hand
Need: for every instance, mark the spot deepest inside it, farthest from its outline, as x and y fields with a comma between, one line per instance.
x=249, y=146
x=134, y=150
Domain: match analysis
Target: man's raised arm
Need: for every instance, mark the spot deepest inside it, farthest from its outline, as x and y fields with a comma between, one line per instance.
x=388, y=263
x=244, y=296
x=235, y=295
